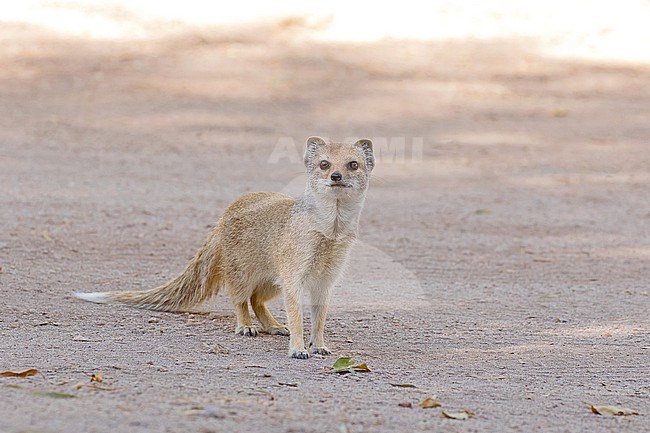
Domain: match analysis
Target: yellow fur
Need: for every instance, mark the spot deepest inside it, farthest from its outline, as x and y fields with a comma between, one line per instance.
x=267, y=244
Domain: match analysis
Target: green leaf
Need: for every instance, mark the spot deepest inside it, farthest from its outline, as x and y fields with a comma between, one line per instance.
x=345, y=364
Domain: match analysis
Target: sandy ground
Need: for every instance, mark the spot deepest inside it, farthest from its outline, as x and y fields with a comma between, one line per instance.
x=504, y=270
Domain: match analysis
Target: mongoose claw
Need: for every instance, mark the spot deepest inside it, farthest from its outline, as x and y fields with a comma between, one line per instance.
x=279, y=330
x=298, y=354
x=321, y=351
x=248, y=331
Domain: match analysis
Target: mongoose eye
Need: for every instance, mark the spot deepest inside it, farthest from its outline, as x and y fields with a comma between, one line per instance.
x=353, y=165
x=324, y=165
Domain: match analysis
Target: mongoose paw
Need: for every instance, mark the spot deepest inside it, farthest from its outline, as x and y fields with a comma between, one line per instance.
x=319, y=350
x=248, y=331
x=279, y=330
x=298, y=354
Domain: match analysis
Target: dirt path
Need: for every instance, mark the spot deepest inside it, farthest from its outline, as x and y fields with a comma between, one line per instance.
x=504, y=271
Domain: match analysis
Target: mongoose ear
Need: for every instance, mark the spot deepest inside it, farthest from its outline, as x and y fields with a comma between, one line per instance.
x=366, y=146
x=313, y=143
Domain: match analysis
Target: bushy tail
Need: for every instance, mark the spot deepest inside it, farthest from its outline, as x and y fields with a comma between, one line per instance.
x=199, y=281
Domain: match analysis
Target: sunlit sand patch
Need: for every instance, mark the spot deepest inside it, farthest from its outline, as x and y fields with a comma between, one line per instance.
x=587, y=29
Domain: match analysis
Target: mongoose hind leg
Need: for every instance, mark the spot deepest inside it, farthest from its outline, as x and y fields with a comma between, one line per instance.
x=269, y=324
x=244, y=321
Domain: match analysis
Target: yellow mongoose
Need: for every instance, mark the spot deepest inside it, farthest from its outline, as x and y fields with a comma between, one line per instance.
x=267, y=244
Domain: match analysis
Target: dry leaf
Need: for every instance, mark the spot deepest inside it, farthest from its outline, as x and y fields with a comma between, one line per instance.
x=217, y=349
x=96, y=382
x=405, y=404
x=209, y=412
x=428, y=403
x=53, y=394
x=26, y=373
x=48, y=324
x=361, y=368
x=613, y=410
x=463, y=414
x=95, y=385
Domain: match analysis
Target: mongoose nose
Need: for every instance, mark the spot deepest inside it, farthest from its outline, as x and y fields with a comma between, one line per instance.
x=336, y=176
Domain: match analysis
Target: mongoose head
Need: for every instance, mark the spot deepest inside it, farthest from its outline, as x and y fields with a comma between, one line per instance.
x=340, y=169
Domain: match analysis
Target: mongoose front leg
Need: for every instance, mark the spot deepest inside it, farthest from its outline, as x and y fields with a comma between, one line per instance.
x=292, y=297
x=244, y=321
x=319, y=301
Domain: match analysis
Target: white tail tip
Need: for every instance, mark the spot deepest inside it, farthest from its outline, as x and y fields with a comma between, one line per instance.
x=99, y=298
